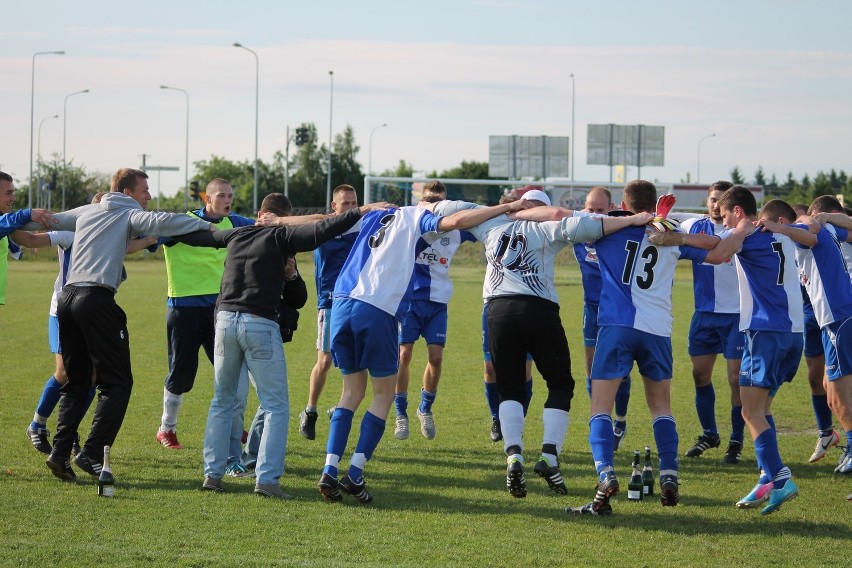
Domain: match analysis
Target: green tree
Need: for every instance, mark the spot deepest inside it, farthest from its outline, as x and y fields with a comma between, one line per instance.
x=760, y=176
x=822, y=185
x=737, y=176
x=307, y=175
x=80, y=185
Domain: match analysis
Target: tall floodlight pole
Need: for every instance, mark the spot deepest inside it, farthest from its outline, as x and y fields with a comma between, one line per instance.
x=330, y=110
x=573, y=99
x=256, y=121
x=698, y=164
x=64, y=127
x=186, y=156
x=38, y=150
x=32, y=118
x=370, y=155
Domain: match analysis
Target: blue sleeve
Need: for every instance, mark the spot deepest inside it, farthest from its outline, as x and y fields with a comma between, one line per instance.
x=11, y=222
x=467, y=237
x=842, y=234
x=694, y=254
x=429, y=223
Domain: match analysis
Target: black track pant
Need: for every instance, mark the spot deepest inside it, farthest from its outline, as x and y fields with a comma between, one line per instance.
x=521, y=324
x=187, y=330
x=93, y=335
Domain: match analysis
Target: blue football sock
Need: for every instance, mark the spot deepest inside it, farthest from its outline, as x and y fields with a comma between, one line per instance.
x=849, y=438
x=822, y=413
x=400, y=402
x=492, y=397
x=766, y=448
x=49, y=398
x=665, y=436
x=602, y=442
x=529, y=397
x=372, y=429
x=737, y=424
x=705, y=406
x=622, y=397
x=338, y=434
x=426, y=400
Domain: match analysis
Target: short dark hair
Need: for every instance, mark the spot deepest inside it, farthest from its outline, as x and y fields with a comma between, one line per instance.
x=343, y=187
x=434, y=186
x=825, y=204
x=739, y=196
x=720, y=185
x=774, y=209
x=5, y=177
x=640, y=196
x=277, y=203
x=125, y=178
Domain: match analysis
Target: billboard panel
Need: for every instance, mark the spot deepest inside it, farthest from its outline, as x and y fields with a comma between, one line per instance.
x=624, y=144
x=513, y=157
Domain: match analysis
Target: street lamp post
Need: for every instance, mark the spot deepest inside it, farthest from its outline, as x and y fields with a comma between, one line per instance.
x=32, y=118
x=38, y=150
x=573, y=98
x=256, y=122
x=698, y=164
x=370, y=155
x=64, y=126
x=330, y=110
x=186, y=155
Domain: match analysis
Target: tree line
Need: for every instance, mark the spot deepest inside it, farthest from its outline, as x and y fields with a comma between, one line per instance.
x=307, y=168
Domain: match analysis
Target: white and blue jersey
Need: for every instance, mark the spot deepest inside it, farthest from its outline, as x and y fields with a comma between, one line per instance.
x=379, y=269
x=328, y=262
x=432, y=266
x=62, y=240
x=637, y=281
x=713, y=285
x=770, y=296
x=590, y=271
x=825, y=276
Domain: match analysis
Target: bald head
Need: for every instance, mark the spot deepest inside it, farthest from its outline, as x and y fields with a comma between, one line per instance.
x=598, y=200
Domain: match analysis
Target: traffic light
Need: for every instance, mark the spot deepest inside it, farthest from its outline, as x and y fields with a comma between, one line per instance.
x=302, y=136
x=193, y=190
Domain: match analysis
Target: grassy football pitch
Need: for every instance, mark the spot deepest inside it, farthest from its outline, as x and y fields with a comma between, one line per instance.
x=437, y=503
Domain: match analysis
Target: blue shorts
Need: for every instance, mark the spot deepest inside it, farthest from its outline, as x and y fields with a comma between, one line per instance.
x=813, y=336
x=770, y=358
x=486, y=351
x=53, y=334
x=363, y=337
x=711, y=333
x=619, y=346
x=324, y=330
x=590, y=325
x=426, y=319
x=837, y=342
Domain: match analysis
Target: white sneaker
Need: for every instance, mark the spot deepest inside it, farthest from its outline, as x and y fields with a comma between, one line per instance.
x=401, y=431
x=427, y=424
x=824, y=443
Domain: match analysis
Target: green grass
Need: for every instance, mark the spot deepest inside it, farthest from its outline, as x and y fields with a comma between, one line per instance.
x=437, y=503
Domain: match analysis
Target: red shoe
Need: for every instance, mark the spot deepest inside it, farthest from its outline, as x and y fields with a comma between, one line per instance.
x=169, y=440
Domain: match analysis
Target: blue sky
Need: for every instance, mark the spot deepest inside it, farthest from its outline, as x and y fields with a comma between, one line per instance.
x=772, y=80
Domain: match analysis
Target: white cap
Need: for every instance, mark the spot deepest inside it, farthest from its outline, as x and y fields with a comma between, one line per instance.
x=536, y=195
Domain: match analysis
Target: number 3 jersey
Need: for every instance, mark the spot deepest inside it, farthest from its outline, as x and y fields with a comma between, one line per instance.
x=637, y=280
x=380, y=266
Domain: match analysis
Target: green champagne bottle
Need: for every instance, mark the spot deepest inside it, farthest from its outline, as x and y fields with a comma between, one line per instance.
x=634, y=487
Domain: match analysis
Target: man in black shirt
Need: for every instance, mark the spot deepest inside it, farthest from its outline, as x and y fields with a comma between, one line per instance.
x=247, y=332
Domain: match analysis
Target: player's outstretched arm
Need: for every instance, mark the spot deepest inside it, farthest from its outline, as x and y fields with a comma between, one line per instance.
x=468, y=218
x=542, y=213
x=837, y=219
x=679, y=239
x=272, y=220
x=613, y=224
x=801, y=236
x=731, y=244
x=31, y=240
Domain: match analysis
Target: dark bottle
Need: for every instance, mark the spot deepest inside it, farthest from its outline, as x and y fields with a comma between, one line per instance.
x=106, y=482
x=647, y=474
x=634, y=487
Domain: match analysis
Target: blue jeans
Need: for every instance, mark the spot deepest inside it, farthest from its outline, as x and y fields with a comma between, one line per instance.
x=256, y=342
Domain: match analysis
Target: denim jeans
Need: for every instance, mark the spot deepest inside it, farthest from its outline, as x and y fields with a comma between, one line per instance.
x=256, y=342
